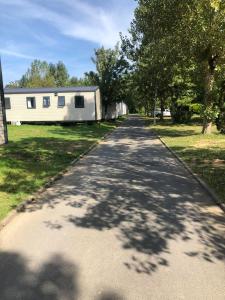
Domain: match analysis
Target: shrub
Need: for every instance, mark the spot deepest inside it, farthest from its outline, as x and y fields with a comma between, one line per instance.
x=196, y=108
x=181, y=114
x=220, y=121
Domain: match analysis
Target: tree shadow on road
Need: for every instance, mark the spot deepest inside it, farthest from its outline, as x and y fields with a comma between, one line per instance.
x=146, y=195
x=56, y=279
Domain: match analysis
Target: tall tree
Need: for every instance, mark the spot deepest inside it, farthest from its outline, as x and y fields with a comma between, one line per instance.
x=74, y=81
x=110, y=68
x=204, y=28
x=13, y=84
x=59, y=73
x=38, y=75
x=182, y=31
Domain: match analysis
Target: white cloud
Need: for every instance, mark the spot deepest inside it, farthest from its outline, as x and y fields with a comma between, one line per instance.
x=78, y=19
x=16, y=54
x=36, y=29
x=12, y=49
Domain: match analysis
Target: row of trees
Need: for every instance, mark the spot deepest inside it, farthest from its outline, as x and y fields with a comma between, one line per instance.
x=176, y=51
x=44, y=74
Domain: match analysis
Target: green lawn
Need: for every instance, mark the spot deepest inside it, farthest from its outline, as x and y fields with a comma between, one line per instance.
x=205, y=154
x=37, y=152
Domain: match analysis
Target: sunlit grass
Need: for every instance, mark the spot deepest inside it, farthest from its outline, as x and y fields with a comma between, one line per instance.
x=205, y=154
x=37, y=152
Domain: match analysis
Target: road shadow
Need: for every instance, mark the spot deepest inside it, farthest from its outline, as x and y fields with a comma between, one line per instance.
x=139, y=189
x=55, y=279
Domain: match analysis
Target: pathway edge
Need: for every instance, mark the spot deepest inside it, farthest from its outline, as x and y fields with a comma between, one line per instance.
x=203, y=184
x=34, y=197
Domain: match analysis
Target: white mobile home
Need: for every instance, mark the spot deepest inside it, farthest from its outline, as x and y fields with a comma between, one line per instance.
x=121, y=109
x=66, y=104
x=115, y=110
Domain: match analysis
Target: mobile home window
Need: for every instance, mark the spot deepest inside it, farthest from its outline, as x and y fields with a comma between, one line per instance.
x=31, y=103
x=61, y=101
x=79, y=101
x=7, y=103
x=46, y=102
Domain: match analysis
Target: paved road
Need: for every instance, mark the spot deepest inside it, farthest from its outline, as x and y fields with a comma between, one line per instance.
x=127, y=222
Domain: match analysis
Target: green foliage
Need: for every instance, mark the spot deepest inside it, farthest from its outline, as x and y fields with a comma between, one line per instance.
x=84, y=81
x=110, y=75
x=74, y=81
x=43, y=74
x=38, y=75
x=210, y=113
x=220, y=121
x=13, y=84
x=59, y=73
x=181, y=112
x=176, y=49
x=92, y=78
x=196, y=108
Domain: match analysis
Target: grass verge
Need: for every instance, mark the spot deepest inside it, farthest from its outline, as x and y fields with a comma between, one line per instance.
x=35, y=153
x=204, y=154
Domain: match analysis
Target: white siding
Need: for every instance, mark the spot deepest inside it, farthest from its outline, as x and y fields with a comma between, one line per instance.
x=121, y=109
x=98, y=105
x=2, y=135
x=115, y=110
x=20, y=112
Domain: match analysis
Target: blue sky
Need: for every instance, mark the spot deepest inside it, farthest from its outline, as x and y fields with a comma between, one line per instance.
x=53, y=30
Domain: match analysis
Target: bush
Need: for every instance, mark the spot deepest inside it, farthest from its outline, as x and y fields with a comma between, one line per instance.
x=196, y=108
x=181, y=114
x=220, y=121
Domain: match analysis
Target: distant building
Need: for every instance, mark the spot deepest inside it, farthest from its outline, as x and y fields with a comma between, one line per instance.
x=66, y=104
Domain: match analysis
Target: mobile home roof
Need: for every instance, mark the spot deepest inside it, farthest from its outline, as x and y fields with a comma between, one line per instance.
x=50, y=90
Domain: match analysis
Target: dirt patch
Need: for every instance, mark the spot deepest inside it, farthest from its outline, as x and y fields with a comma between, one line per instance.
x=207, y=144
x=215, y=162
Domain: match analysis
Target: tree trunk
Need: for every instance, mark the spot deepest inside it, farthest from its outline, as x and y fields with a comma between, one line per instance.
x=209, y=73
x=154, y=115
x=105, y=111
x=146, y=110
x=162, y=109
x=207, y=128
x=220, y=120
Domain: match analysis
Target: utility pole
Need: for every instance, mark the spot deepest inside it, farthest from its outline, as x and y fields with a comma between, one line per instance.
x=3, y=123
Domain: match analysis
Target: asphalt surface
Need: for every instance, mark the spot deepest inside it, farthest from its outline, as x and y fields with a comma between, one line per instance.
x=127, y=222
